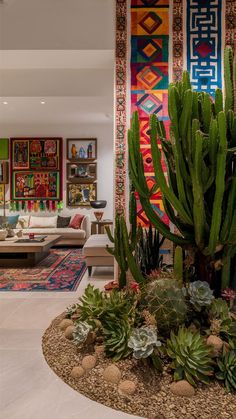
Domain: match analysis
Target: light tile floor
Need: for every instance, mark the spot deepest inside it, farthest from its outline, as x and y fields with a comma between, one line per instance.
x=29, y=389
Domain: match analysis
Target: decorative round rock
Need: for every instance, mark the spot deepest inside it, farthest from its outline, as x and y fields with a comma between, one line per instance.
x=216, y=342
x=69, y=332
x=182, y=388
x=77, y=372
x=65, y=323
x=89, y=362
x=112, y=374
x=126, y=388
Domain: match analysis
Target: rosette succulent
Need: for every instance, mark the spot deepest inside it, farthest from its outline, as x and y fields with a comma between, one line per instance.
x=81, y=332
x=200, y=294
x=227, y=368
x=191, y=356
x=143, y=341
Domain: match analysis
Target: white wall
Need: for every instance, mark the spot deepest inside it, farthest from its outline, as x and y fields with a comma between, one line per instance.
x=105, y=160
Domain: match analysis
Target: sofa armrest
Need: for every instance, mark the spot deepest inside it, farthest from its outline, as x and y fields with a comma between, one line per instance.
x=86, y=225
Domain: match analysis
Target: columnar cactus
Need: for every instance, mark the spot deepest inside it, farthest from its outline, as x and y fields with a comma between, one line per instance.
x=199, y=193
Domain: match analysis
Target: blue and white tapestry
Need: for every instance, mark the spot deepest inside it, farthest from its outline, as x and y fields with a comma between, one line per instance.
x=204, y=43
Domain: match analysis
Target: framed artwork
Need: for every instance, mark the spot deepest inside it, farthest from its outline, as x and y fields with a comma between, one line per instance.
x=4, y=148
x=81, y=149
x=81, y=172
x=4, y=172
x=20, y=154
x=35, y=185
x=36, y=167
x=2, y=193
x=80, y=194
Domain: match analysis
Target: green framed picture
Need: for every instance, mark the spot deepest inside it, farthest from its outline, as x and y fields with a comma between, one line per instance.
x=4, y=148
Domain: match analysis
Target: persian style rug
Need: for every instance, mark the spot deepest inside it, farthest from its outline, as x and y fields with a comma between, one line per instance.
x=61, y=270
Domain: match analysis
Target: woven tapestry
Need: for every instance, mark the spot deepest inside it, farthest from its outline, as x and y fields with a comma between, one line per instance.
x=230, y=23
x=204, y=43
x=149, y=78
x=120, y=106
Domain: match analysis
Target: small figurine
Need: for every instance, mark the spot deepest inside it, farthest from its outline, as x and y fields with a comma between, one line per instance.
x=90, y=151
x=82, y=153
x=73, y=151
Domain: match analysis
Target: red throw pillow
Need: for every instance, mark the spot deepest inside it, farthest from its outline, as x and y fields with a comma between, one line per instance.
x=76, y=221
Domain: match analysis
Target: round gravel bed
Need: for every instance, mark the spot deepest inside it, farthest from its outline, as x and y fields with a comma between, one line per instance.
x=152, y=398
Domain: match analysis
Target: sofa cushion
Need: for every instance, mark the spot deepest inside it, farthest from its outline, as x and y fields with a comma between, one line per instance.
x=76, y=221
x=67, y=233
x=63, y=222
x=96, y=245
x=43, y=222
x=9, y=219
x=23, y=221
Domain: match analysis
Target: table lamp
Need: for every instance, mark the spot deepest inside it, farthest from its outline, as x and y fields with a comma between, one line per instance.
x=98, y=205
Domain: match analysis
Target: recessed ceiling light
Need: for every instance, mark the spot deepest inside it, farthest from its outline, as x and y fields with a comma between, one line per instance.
x=5, y=102
x=42, y=102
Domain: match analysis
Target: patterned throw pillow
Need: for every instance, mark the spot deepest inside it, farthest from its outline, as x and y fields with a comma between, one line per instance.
x=76, y=221
x=63, y=222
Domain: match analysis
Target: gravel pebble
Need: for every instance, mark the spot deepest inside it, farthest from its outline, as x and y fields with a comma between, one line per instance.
x=209, y=402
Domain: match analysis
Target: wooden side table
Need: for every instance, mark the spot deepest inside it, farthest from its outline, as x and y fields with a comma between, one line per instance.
x=98, y=227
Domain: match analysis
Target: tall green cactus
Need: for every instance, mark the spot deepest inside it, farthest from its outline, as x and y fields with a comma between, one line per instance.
x=230, y=79
x=123, y=250
x=199, y=192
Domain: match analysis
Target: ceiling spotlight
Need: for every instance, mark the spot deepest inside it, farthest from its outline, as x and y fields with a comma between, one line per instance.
x=5, y=102
x=42, y=102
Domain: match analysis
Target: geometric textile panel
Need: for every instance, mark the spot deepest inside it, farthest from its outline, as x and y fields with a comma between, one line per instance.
x=149, y=79
x=203, y=33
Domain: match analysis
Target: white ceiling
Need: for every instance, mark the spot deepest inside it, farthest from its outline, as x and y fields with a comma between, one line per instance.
x=61, y=51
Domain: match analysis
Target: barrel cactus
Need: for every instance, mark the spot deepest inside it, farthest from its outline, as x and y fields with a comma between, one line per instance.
x=166, y=301
x=191, y=356
x=200, y=294
x=143, y=341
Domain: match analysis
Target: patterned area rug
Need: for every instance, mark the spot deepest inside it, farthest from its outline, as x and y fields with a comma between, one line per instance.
x=61, y=270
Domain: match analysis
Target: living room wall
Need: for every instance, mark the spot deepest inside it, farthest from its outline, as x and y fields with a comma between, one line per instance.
x=104, y=135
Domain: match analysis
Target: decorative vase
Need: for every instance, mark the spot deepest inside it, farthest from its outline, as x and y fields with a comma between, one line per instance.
x=10, y=232
x=98, y=215
x=3, y=234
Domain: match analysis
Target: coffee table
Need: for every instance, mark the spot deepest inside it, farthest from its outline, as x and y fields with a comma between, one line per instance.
x=18, y=255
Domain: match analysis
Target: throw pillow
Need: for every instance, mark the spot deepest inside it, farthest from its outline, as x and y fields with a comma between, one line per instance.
x=43, y=222
x=76, y=221
x=23, y=221
x=63, y=222
x=12, y=220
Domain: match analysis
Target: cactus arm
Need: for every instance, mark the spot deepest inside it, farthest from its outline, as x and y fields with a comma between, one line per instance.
x=195, y=111
x=108, y=231
x=159, y=225
x=133, y=219
x=186, y=114
x=219, y=183
x=180, y=183
x=178, y=265
x=228, y=55
x=206, y=112
x=173, y=109
x=213, y=146
x=156, y=154
x=218, y=101
x=234, y=82
x=133, y=267
x=198, y=204
x=229, y=212
x=171, y=215
x=232, y=234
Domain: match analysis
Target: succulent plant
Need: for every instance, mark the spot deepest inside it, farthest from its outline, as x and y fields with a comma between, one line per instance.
x=166, y=301
x=219, y=309
x=227, y=368
x=200, y=294
x=91, y=303
x=143, y=341
x=70, y=310
x=116, y=334
x=191, y=356
x=81, y=332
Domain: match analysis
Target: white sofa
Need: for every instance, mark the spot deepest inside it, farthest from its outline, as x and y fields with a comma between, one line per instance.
x=69, y=236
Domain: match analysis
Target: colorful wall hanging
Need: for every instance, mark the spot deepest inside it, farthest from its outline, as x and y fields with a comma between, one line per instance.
x=120, y=175
x=204, y=43
x=230, y=23
x=36, y=173
x=149, y=78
